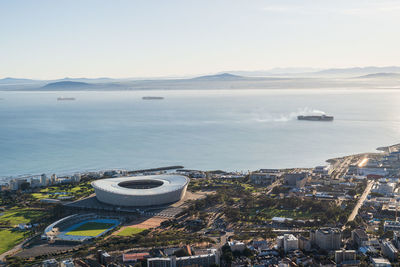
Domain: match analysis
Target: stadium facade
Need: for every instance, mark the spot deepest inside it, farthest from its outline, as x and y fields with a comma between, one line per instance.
x=141, y=191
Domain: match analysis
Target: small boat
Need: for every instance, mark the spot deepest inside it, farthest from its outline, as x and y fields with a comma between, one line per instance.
x=315, y=118
x=65, y=98
x=152, y=98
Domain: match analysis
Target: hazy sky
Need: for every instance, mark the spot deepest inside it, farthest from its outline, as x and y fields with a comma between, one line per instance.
x=54, y=39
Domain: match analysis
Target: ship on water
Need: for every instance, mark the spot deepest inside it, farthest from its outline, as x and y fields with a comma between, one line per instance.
x=61, y=98
x=315, y=118
x=152, y=98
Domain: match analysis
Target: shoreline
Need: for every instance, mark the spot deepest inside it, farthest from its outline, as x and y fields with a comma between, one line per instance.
x=331, y=162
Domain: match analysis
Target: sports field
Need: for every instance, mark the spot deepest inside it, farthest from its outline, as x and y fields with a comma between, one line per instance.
x=90, y=229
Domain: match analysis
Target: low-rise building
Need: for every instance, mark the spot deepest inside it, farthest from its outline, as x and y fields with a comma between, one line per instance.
x=380, y=262
x=237, y=245
x=296, y=179
x=391, y=226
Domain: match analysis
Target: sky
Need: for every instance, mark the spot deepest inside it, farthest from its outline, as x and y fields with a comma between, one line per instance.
x=47, y=39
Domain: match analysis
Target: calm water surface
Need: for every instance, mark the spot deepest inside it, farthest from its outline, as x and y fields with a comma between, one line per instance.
x=210, y=129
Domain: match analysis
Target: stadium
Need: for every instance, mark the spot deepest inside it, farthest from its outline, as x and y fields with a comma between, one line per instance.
x=141, y=191
x=79, y=228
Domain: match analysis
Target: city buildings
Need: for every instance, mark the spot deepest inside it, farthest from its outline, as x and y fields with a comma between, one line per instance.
x=380, y=262
x=290, y=242
x=326, y=238
x=296, y=179
x=204, y=260
x=389, y=250
x=391, y=226
x=344, y=256
x=359, y=237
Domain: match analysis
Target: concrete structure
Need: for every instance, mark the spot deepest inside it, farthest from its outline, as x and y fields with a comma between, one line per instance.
x=139, y=191
x=384, y=188
x=391, y=226
x=290, y=242
x=203, y=260
x=297, y=179
x=237, y=245
x=262, y=178
x=50, y=263
x=389, y=250
x=43, y=180
x=344, y=256
x=67, y=263
x=359, y=237
x=327, y=238
x=396, y=239
x=53, y=179
x=304, y=243
x=15, y=184
x=76, y=178
x=380, y=262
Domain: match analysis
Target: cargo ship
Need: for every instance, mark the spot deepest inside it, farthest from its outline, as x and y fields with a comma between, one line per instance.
x=152, y=98
x=315, y=118
x=65, y=98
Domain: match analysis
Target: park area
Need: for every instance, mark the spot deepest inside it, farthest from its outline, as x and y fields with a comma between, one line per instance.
x=64, y=190
x=130, y=231
x=15, y=216
x=90, y=229
x=10, y=238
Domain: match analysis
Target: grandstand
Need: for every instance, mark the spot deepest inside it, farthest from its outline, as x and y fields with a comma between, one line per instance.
x=69, y=228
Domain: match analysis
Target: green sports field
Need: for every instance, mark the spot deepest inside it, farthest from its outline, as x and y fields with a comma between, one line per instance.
x=90, y=229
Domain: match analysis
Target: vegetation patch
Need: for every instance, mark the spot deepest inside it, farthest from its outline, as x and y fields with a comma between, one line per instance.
x=16, y=216
x=9, y=238
x=129, y=231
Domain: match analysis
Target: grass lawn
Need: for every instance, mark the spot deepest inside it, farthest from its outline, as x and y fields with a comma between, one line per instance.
x=129, y=231
x=90, y=229
x=21, y=215
x=8, y=239
x=39, y=195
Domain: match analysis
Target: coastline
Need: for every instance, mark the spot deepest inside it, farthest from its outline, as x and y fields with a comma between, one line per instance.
x=333, y=162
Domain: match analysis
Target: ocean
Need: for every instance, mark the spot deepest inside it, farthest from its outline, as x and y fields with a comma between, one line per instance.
x=232, y=130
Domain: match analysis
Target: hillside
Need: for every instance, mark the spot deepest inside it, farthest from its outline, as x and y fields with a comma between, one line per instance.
x=67, y=85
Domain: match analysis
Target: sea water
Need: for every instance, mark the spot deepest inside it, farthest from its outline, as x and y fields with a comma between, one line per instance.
x=233, y=130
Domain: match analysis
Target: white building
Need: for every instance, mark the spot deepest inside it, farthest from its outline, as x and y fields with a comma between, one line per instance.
x=76, y=178
x=391, y=226
x=290, y=242
x=237, y=245
x=380, y=262
x=67, y=263
x=384, y=188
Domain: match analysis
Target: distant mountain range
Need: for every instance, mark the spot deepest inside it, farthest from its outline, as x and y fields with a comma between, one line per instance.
x=66, y=85
x=381, y=75
x=273, y=79
x=220, y=77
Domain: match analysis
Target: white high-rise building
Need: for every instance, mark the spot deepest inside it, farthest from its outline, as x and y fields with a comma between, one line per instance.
x=76, y=178
x=43, y=180
x=290, y=242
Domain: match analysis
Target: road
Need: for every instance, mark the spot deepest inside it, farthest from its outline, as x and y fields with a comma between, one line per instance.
x=360, y=201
